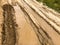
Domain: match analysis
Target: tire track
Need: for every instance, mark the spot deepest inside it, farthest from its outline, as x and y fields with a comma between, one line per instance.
x=57, y=28
x=38, y=28
x=37, y=21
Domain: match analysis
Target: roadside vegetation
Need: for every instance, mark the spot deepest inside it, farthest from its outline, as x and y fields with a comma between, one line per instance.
x=54, y=4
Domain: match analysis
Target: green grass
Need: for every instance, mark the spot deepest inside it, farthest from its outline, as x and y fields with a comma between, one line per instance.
x=54, y=4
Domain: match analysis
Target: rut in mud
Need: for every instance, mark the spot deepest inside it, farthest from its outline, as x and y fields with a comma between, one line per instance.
x=9, y=25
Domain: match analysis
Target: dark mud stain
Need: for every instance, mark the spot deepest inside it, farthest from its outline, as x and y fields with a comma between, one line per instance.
x=9, y=25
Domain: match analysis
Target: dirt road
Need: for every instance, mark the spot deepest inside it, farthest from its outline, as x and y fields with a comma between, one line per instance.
x=37, y=24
